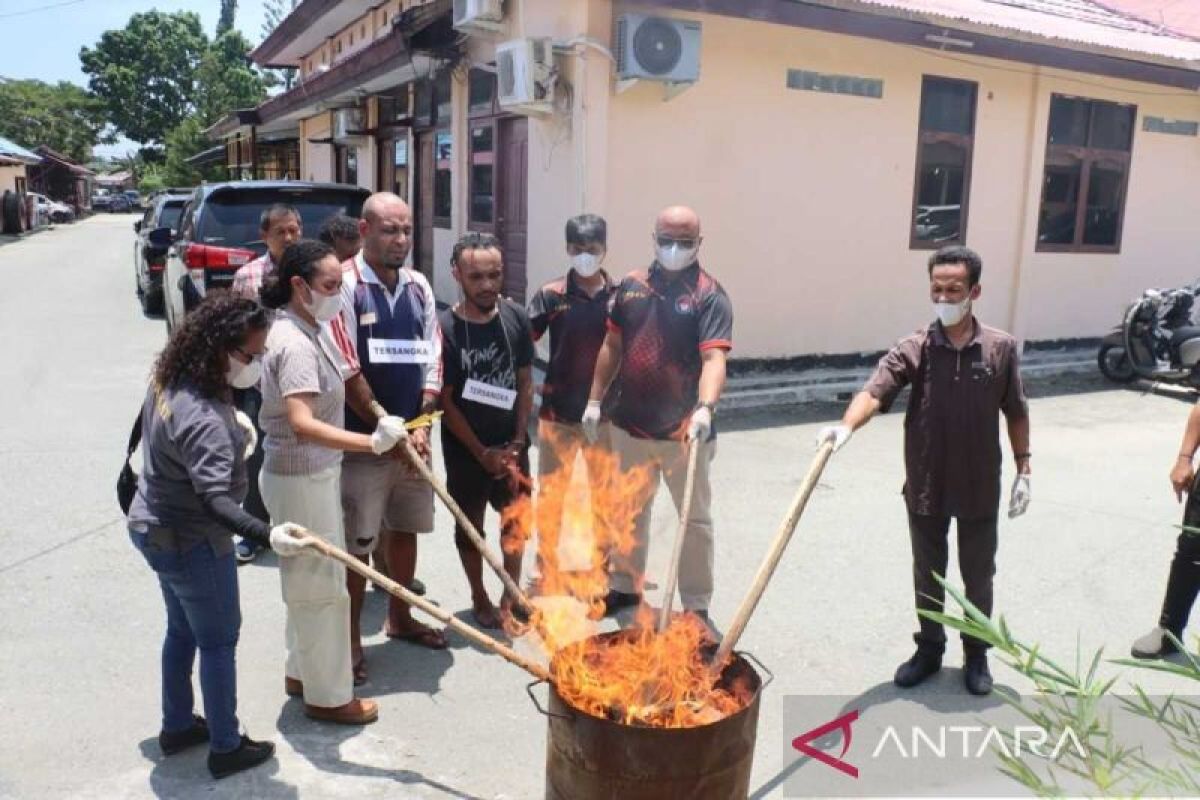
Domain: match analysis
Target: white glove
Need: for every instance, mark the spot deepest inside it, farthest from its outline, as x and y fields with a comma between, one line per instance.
x=838, y=434
x=244, y=422
x=701, y=425
x=591, y=421
x=285, y=541
x=1019, y=501
x=389, y=432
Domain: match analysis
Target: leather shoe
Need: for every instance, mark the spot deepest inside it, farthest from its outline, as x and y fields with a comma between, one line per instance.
x=356, y=712
x=614, y=601
x=976, y=675
x=249, y=754
x=293, y=686
x=1154, y=644
x=172, y=742
x=914, y=671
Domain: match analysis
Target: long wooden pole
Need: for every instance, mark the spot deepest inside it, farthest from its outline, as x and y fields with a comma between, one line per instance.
x=767, y=568
x=442, y=616
x=489, y=555
x=685, y=513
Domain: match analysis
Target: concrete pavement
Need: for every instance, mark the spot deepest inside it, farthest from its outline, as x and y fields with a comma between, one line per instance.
x=82, y=619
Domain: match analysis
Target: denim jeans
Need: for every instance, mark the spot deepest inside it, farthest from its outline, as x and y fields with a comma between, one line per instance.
x=200, y=590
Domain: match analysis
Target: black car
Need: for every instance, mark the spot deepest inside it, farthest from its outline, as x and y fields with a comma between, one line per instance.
x=149, y=261
x=219, y=232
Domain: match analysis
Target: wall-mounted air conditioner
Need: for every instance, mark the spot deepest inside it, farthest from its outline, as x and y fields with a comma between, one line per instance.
x=478, y=15
x=349, y=126
x=525, y=75
x=657, y=49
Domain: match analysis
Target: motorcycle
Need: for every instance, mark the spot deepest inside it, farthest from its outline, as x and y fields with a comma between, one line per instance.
x=1155, y=340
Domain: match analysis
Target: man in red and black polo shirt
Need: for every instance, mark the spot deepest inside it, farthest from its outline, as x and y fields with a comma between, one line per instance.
x=661, y=371
x=964, y=375
x=574, y=310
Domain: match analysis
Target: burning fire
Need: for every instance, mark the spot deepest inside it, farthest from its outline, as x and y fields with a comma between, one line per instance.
x=639, y=677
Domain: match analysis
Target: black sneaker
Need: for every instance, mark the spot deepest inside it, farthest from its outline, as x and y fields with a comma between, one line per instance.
x=178, y=741
x=614, y=601
x=246, y=551
x=249, y=754
x=1154, y=644
x=976, y=675
x=417, y=588
x=914, y=671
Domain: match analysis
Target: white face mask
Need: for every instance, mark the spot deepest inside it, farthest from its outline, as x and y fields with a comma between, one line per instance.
x=675, y=258
x=243, y=376
x=585, y=264
x=952, y=313
x=324, y=307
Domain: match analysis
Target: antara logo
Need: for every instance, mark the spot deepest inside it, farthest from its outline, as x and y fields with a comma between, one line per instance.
x=943, y=742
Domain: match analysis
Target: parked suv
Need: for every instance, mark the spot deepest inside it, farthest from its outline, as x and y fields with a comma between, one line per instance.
x=219, y=232
x=149, y=260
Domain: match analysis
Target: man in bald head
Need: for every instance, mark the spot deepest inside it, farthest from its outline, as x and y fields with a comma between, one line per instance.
x=388, y=333
x=658, y=378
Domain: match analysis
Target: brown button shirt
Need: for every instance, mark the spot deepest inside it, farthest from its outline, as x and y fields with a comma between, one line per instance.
x=952, y=428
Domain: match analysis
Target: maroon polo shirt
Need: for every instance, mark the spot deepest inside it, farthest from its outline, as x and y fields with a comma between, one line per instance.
x=952, y=451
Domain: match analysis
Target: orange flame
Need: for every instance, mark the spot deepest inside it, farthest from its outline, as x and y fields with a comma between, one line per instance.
x=585, y=518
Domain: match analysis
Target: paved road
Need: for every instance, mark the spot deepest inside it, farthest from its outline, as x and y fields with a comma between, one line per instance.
x=82, y=617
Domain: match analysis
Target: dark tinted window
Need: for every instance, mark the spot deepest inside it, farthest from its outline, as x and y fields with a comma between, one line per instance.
x=947, y=106
x=170, y=214
x=231, y=218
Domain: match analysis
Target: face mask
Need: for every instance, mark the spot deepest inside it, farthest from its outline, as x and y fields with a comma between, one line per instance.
x=243, y=376
x=585, y=264
x=952, y=313
x=675, y=258
x=324, y=307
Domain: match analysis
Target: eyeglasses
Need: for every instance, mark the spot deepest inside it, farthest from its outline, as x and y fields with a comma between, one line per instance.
x=668, y=241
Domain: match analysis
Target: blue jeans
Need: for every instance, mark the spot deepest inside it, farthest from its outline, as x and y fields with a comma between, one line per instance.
x=200, y=590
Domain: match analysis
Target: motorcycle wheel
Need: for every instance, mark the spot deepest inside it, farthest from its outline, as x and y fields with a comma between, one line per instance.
x=1114, y=364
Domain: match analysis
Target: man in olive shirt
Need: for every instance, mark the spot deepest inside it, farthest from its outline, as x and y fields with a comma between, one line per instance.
x=963, y=376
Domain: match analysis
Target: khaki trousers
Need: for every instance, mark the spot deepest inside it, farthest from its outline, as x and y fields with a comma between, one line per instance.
x=314, y=587
x=667, y=460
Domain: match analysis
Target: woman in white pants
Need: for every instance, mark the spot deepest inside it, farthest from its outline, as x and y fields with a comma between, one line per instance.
x=302, y=416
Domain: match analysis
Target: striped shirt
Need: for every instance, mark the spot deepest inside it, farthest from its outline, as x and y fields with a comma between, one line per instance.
x=249, y=277
x=345, y=326
x=300, y=360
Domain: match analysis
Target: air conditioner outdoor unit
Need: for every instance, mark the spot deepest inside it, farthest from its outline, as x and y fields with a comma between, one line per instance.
x=348, y=126
x=657, y=49
x=476, y=15
x=526, y=75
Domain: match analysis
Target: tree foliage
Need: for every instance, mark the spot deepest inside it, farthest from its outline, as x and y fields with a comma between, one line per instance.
x=62, y=116
x=146, y=73
x=228, y=13
x=274, y=12
x=226, y=79
x=184, y=141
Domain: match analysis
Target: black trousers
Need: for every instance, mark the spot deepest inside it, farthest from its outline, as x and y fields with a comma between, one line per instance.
x=976, y=564
x=474, y=490
x=250, y=401
x=1183, y=583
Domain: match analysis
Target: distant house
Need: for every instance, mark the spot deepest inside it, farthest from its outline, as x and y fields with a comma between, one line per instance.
x=115, y=181
x=14, y=161
x=60, y=178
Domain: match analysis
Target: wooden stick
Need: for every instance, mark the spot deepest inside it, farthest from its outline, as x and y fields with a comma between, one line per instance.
x=489, y=555
x=685, y=513
x=445, y=617
x=767, y=568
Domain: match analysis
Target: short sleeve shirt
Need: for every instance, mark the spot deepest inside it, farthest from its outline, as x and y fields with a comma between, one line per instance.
x=300, y=359
x=490, y=353
x=576, y=323
x=952, y=455
x=666, y=322
x=191, y=447
x=250, y=276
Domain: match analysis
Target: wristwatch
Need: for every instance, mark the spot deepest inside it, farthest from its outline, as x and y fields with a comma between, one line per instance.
x=712, y=407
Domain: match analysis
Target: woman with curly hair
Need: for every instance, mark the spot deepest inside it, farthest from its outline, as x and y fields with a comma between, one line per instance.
x=184, y=514
x=303, y=417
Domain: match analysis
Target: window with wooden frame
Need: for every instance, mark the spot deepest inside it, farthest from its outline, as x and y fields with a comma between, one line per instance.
x=945, y=145
x=443, y=151
x=1088, y=148
x=345, y=164
x=482, y=177
x=481, y=94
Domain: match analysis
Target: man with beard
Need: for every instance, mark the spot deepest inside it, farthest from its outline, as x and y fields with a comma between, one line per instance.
x=388, y=333
x=487, y=397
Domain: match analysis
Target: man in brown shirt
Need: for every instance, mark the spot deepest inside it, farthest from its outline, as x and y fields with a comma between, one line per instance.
x=963, y=375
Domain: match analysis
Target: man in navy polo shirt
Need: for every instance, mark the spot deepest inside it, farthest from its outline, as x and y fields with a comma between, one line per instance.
x=388, y=331
x=662, y=368
x=573, y=309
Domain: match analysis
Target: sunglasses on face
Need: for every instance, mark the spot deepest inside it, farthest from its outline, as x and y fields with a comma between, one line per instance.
x=667, y=241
